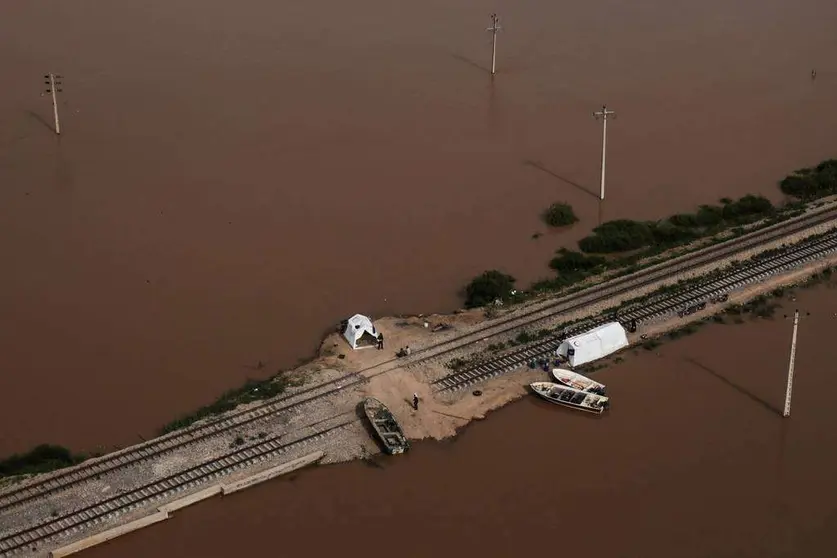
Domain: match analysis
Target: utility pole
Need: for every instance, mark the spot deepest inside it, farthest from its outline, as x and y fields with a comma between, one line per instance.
x=604, y=114
x=495, y=26
x=789, y=388
x=54, y=85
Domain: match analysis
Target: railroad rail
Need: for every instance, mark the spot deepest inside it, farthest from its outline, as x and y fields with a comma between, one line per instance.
x=65, y=478
x=71, y=523
x=691, y=299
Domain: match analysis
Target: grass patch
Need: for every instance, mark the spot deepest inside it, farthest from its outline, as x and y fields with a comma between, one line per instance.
x=733, y=310
x=40, y=459
x=651, y=344
x=252, y=390
x=524, y=337
x=457, y=363
x=559, y=215
x=824, y=276
x=761, y=306
x=687, y=329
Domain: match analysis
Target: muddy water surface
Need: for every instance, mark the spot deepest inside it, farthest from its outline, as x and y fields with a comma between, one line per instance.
x=234, y=178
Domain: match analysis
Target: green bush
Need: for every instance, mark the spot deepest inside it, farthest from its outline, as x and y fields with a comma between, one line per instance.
x=666, y=233
x=488, y=287
x=622, y=235
x=709, y=215
x=252, y=390
x=812, y=183
x=625, y=235
x=684, y=220
x=569, y=262
x=748, y=207
x=39, y=460
x=552, y=284
x=559, y=215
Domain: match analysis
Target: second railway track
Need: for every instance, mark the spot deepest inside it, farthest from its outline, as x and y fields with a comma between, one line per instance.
x=626, y=284
x=63, y=479
x=691, y=299
x=62, y=526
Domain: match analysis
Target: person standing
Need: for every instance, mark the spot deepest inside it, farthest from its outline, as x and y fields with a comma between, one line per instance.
x=408, y=350
x=415, y=401
x=380, y=341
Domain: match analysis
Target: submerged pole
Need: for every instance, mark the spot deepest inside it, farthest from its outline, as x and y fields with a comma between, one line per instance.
x=54, y=84
x=789, y=389
x=495, y=21
x=604, y=113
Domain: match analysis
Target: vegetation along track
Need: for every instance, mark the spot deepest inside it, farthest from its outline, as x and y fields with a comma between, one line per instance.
x=65, y=478
x=626, y=284
x=71, y=523
x=685, y=301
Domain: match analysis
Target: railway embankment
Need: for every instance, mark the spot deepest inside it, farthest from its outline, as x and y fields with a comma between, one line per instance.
x=329, y=424
x=321, y=413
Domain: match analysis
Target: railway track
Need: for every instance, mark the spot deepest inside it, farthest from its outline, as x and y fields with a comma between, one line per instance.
x=66, y=478
x=628, y=283
x=692, y=299
x=63, y=479
x=72, y=523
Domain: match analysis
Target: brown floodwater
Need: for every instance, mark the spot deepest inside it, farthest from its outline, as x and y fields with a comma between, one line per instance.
x=693, y=460
x=233, y=178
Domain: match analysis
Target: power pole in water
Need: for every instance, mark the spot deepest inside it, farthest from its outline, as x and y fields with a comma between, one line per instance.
x=604, y=114
x=789, y=388
x=54, y=84
x=495, y=26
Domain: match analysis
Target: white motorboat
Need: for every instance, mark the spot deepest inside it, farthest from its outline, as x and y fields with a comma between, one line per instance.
x=577, y=381
x=571, y=397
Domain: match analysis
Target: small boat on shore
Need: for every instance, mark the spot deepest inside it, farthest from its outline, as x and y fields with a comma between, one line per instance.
x=571, y=397
x=577, y=381
x=385, y=425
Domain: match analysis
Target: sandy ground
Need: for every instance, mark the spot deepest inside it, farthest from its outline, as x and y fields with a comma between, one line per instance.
x=440, y=417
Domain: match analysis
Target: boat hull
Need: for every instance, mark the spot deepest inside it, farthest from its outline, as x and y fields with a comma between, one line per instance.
x=577, y=381
x=571, y=398
x=386, y=427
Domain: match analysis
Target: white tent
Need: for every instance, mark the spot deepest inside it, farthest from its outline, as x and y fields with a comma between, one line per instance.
x=593, y=344
x=360, y=332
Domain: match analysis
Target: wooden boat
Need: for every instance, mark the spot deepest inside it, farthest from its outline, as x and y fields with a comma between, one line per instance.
x=577, y=381
x=571, y=397
x=385, y=425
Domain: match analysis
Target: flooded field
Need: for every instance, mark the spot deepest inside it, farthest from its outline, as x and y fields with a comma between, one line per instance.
x=232, y=179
